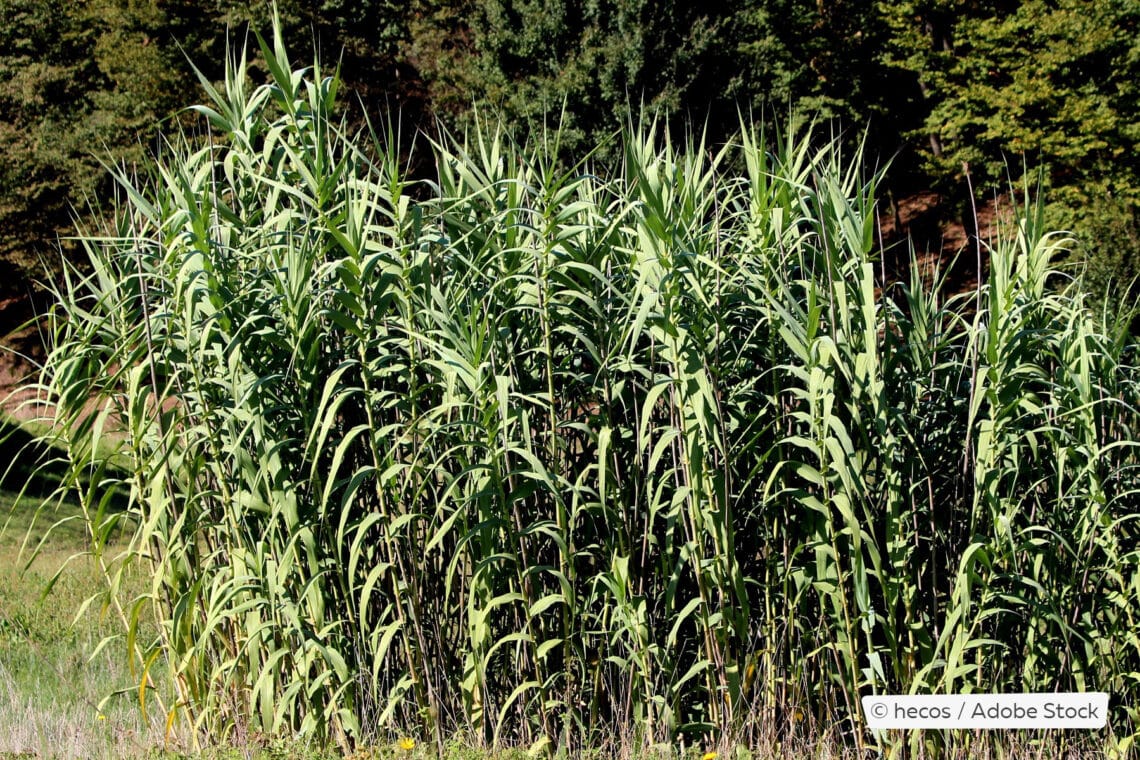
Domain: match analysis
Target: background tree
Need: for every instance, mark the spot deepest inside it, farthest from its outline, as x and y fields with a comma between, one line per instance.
x=692, y=64
x=937, y=83
x=1033, y=84
x=525, y=60
x=88, y=83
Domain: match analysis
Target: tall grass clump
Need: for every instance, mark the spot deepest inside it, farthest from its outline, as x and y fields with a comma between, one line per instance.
x=562, y=457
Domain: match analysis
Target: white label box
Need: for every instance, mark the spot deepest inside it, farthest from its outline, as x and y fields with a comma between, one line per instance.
x=1000, y=711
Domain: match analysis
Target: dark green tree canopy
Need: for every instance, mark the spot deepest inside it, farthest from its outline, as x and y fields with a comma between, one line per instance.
x=935, y=84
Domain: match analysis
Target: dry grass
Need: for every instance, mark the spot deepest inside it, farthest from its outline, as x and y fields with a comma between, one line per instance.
x=55, y=694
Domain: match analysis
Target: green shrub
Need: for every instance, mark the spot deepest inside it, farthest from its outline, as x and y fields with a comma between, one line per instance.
x=1106, y=251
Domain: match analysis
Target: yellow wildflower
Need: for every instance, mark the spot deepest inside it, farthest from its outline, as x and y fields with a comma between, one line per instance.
x=407, y=744
x=710, y=756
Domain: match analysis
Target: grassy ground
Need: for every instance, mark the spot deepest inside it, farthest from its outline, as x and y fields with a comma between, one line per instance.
x=56, y=697
x=52, y=690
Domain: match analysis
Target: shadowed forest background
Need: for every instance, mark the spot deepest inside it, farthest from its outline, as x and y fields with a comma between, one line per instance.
x=933, y=85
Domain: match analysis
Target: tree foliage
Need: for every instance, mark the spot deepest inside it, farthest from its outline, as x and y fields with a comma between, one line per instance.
x=936, y=84
x=1043, y=85
x=589, y=64
x=89, y=84
x=584, y=63
x=1054, y=82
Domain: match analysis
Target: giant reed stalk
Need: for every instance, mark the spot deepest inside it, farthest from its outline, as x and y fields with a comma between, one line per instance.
x=545, y=455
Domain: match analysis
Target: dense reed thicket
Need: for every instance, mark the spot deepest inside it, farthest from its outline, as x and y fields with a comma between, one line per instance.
x=551, y=456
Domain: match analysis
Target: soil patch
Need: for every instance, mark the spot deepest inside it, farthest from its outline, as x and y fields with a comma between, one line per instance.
x=21, y=356
x=943, y=242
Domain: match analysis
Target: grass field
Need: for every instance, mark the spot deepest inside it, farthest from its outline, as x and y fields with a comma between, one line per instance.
x=54, y=695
